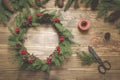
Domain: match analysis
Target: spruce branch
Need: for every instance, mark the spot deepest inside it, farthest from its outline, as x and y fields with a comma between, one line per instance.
x=69, y=3
x=87, y=59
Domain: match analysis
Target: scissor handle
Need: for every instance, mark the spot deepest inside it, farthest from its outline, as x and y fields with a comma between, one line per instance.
x=101, y=69
x=106, y=66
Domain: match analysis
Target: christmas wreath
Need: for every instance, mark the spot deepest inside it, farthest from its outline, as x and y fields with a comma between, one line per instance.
x=16, y=40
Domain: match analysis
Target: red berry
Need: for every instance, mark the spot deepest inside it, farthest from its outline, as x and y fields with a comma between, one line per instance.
x=48, y=61
x=30, y=18
x=56, y=20
x=38, y=14
x=61, y=38
x=23, y=52
x=17, y=30
x=58, y=49
x=30, y=61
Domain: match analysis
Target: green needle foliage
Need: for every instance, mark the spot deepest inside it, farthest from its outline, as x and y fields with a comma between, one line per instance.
x=87, y=59
x=76, y=4
x=69, y=3
x=17, y=5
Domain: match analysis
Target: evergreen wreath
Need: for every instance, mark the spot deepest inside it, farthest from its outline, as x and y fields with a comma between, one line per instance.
x=16, y=40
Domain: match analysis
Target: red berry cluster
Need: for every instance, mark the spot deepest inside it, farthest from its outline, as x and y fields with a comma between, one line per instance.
x=30, y=18
x=56, y=20
x=38, y=14
x=30, y=61
x=58, y=49
x=17, y=30
x=23, y=52
x=48, y=61
x=26, y=57
x=61, y=39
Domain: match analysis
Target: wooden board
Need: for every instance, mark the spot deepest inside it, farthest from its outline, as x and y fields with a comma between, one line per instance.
x=71, y=69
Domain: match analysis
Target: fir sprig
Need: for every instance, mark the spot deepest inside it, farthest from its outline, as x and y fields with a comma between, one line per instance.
x=69, y=3
x=87, y=59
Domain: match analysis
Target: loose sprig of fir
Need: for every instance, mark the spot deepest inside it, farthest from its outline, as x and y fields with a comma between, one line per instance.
x=87, y=59
x=16, y=40
x=69, y=3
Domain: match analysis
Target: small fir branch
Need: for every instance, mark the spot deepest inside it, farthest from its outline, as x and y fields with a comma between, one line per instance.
x=61, y=58
x=12, y=38
x=76, y=4
x=23, y=64
x=21, y=34
x=87, y=59
x=56, y=60
x=63, y=31
x=45, y=67
x=69, y=3
x=114, y=16
x=103, y=9
x=37, y=64
x=11, y=31
x=94, y=4
x=65, y=47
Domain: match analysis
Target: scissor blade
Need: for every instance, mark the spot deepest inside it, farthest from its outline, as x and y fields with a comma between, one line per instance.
x=92, y=51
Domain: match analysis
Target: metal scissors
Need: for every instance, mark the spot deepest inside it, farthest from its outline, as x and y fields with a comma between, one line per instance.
x=103, y=65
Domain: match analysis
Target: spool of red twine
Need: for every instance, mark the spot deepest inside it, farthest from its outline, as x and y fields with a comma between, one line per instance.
x=84, y=25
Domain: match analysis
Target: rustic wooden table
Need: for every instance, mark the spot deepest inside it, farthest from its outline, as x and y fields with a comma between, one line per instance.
x=43, y=40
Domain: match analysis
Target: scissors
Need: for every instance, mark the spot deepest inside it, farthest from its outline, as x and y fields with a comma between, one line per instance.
x=103, y=65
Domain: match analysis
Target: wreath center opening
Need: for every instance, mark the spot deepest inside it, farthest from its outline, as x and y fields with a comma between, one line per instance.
x=42, y=41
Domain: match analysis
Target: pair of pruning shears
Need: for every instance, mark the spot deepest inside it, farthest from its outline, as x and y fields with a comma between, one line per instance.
x=103, y=65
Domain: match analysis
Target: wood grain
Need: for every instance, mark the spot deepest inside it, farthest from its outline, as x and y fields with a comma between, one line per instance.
x=71, y=68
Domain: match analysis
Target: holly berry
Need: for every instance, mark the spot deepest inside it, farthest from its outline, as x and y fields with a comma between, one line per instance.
x=23, y=52
x=38, y=14
x=58, y=49
x=17, y=30
x=30, y=61
x=61, y=39
x=30, y=18
x=48, y=61
x=56, y=20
